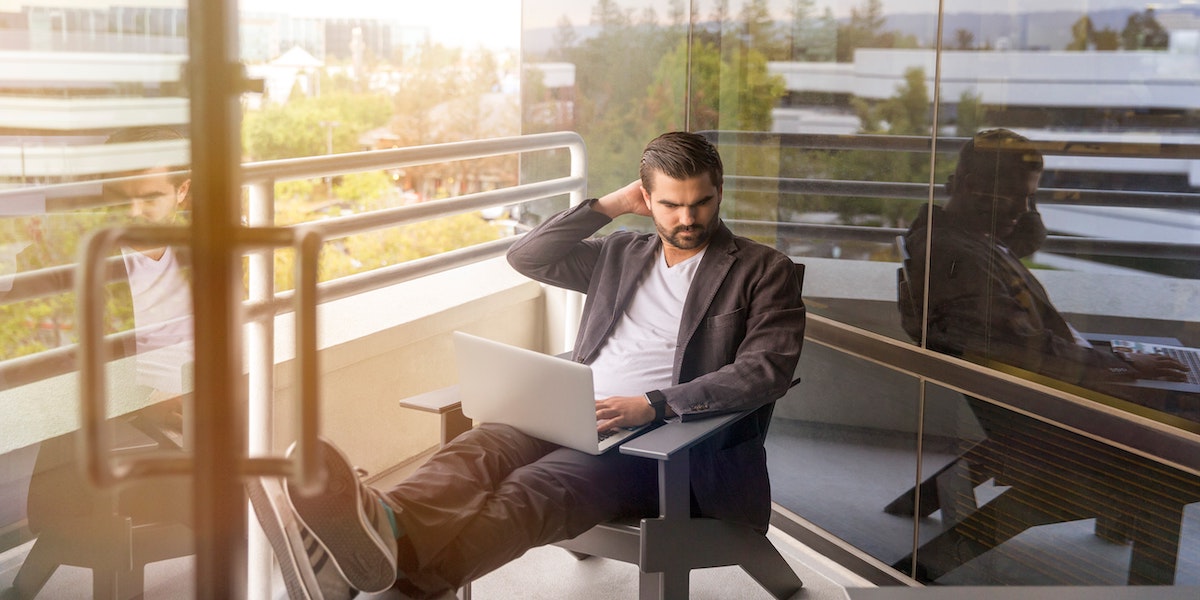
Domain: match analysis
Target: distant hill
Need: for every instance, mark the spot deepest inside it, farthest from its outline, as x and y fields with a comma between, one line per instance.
x=1024, y=31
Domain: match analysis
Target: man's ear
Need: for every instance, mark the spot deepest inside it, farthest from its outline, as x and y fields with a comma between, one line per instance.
x=645, y=196
x=181, y=193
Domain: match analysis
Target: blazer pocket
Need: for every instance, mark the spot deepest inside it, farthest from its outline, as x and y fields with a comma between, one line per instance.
x=729, y=319
x=718, y=339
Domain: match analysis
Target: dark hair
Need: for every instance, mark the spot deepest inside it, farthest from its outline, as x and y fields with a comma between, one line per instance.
x=680, y=155
x=996, y=154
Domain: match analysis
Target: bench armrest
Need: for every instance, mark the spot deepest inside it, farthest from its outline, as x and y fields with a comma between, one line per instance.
x=445, y=403
x=677, y=436
x=438, y=401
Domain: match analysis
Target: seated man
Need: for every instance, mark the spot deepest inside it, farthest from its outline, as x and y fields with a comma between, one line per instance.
x=689, y=321
x=983, y=302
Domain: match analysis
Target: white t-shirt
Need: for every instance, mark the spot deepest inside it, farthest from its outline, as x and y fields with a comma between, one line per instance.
x=639, y=355
x=162, y=316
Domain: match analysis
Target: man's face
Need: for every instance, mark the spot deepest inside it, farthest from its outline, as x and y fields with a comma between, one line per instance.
x=684, y=211
x=997, y=207
x=153, y=200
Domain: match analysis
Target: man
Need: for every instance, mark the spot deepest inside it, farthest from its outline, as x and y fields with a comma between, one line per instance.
x=983, y=302
x=685, y=322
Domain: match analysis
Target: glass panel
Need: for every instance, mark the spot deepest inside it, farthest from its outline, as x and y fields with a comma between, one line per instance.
x=1024, y=502
x=1090, y=162
x=614, y=72
x=367, y=78
x=842, y=450
x=94, y=135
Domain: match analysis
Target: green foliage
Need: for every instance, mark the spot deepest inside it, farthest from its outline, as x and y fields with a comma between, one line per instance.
x=865, y=29
x=1143, y=32
x=372, y=250
x=732, y=92
x=1082, y=32
x=971, y=115
x=364, y=190
x=1107, y=40
x=307, y=126
x=905, y=113
x=48, y=322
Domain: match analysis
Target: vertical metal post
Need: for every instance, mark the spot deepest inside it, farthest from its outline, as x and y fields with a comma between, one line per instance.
x=260, y=346
x=573, y=308
x=214, y=83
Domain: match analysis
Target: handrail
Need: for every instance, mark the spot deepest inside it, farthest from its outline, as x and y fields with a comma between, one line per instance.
x=60, y=361
x=1176, y=443
x=82, y=194
x=917, y=143
x=1058, y=244
x=919, y=192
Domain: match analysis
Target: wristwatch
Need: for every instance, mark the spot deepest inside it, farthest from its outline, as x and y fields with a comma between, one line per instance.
x=659, y=405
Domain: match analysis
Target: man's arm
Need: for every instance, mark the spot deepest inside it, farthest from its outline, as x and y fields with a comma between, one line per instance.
x=558, y=253
x=977, y=312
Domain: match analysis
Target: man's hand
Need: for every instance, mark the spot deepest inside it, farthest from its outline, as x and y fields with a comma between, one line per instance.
x=625, y=201
x=1156, y=366
x=622, y=411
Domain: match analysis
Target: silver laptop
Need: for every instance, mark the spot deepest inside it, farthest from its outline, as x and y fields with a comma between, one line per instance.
x=544, y=396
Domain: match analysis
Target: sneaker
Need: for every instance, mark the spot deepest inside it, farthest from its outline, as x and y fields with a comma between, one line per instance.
x=307, y=571
x=351, y=522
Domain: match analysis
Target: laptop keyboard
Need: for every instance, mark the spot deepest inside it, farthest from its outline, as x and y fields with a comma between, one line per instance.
x=1189, y=358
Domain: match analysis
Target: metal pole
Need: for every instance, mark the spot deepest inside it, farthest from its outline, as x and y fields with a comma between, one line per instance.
x=214, y=81
x=260, y=347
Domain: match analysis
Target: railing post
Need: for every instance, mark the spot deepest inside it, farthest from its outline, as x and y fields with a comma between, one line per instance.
x=260, y=348
x=573, y=307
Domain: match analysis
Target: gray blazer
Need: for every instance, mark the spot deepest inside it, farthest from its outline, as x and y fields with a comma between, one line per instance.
x=739, y=338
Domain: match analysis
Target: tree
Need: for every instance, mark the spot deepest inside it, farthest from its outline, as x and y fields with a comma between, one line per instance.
x=736, y=94
x=865, y=29
x=302, y=126
x=964, y=39
x=759, y=30
x=1082, y=33
x=564, y=38
x=608, y=14
x=905, y=113
x=971, y=115
x=1143, y=32
x=1106, y=40
x=613, y=70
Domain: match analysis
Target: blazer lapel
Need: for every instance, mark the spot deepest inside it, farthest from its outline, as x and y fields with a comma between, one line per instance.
x=714, y=267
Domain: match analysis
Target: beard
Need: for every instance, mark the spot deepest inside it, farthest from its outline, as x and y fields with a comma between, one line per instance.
x=688, y=237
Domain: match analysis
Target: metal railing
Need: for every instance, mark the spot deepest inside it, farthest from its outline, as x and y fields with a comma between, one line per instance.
x=791, y=187
x=260, y=179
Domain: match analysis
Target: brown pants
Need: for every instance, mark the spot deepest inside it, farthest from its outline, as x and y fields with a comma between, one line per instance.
x=493, y=493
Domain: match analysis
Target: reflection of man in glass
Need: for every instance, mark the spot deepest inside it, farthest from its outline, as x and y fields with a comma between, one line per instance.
x=158, y=284
x=983, y=302
x=60, y=503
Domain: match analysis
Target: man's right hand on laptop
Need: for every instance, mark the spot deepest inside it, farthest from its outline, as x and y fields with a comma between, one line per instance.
x=1155, y=366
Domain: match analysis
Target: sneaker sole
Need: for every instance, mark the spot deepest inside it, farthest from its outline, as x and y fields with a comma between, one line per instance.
x=335, y=518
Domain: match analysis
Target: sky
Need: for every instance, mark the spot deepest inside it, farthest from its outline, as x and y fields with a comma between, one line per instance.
x=497, y=23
